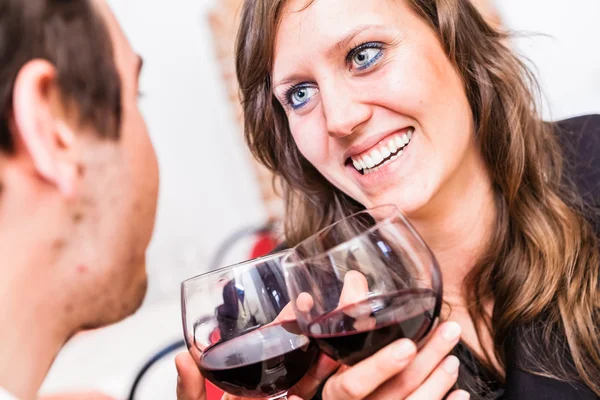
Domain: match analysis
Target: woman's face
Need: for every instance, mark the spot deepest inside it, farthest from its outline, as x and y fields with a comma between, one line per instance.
x=373, y=102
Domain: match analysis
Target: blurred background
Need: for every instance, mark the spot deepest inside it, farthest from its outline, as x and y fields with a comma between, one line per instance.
x=211, y=189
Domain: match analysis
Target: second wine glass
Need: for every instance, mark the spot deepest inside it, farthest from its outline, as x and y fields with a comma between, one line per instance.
x=364, y=282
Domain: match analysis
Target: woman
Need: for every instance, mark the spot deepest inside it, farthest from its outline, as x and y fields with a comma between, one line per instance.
x=419, y=103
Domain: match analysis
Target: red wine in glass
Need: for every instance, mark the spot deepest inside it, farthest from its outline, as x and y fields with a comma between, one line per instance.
x=264, y=362
x=355, y=332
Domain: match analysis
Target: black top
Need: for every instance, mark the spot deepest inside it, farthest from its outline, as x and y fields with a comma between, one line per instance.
x=581, y=143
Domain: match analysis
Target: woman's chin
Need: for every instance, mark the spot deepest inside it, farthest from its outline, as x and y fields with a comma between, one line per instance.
x=411, y=204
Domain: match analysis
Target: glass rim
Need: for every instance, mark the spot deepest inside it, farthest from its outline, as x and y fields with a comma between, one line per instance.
x=395, y=214
x=247, y=263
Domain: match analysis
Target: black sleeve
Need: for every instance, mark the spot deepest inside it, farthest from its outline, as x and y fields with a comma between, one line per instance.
x=580, y=139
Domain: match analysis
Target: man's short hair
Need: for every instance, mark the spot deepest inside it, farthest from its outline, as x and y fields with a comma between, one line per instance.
x=72, y=36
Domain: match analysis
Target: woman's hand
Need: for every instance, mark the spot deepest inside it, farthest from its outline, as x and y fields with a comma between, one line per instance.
x=398, y=372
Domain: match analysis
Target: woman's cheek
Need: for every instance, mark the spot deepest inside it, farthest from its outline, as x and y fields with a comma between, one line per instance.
x=312, y=143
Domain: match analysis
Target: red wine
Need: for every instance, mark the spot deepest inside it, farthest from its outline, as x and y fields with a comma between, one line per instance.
x=355, y=332
x=264, y=362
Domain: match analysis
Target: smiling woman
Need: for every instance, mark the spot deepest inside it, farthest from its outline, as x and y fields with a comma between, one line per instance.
x=224, y=20
x=419, y=103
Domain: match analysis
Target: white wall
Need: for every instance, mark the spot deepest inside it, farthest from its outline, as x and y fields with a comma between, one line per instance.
x=207, y=187
x=562, y=39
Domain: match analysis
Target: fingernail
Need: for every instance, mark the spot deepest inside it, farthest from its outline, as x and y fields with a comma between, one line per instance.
x=451, y=365
x=462, y=395
x=404, y=350
x=451, y=331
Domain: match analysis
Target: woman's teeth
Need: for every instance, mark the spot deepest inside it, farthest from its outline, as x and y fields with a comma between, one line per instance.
x=386, y=151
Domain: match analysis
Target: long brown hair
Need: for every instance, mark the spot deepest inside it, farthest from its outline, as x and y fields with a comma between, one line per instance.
x=541, y=268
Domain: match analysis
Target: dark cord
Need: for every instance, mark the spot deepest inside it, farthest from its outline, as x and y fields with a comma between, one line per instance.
x=162, y=353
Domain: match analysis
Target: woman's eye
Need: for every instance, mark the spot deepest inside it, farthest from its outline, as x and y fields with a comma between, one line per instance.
x=301, y=95
x=364, y=56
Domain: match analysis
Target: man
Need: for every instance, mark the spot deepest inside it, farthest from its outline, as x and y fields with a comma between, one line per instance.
x=78, y=182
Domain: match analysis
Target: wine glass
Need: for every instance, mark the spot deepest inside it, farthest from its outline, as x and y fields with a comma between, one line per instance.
x=239, y=332
x=362, y=283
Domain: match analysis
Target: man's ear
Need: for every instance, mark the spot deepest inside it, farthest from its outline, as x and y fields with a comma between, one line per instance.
x=39, y=126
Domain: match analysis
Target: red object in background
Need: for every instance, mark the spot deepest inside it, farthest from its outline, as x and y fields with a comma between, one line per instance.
x=213, y=392
x=263, y=246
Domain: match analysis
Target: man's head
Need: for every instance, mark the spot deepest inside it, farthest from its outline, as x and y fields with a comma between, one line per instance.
x=78, y=174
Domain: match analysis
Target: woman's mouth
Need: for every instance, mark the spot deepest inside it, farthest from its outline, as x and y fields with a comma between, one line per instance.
x=384, y=152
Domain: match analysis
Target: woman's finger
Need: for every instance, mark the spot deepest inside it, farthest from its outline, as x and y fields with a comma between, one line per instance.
x=304, y=302
x=439, y=382
x=428, y=358
x=364, y=378
x=287, y=314
x=459, y=395
x=354, y=290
